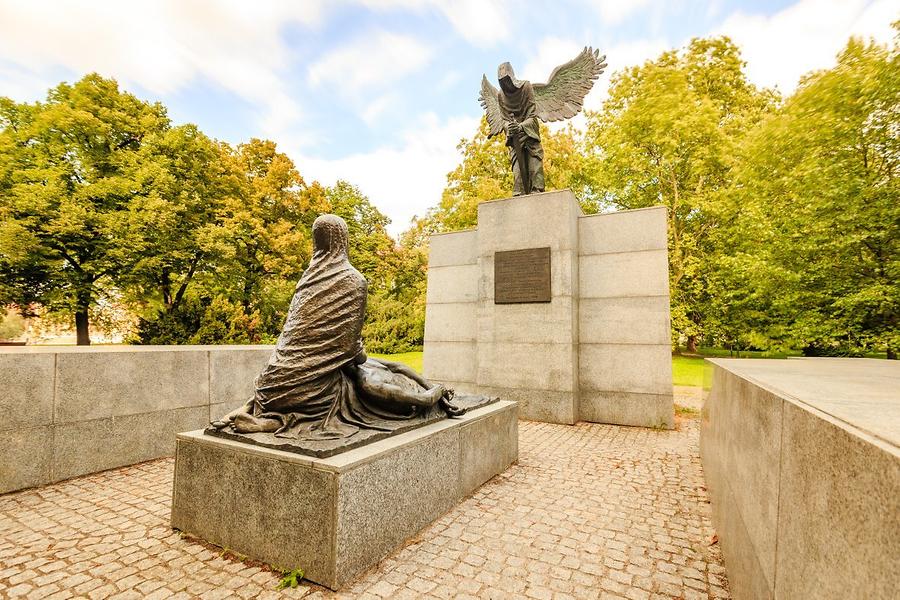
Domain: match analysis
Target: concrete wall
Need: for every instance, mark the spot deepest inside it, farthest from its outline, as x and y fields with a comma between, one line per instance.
x=802, y=463
x=625, y=364
x=599, y=351
x=69, y=411
x=450, y=310
x=528, y=352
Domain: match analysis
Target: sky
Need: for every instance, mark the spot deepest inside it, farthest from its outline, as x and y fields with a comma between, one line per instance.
x=380, y=92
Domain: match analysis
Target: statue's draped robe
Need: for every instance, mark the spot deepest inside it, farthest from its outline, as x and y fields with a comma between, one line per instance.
x=305, y=385
x=519, y=106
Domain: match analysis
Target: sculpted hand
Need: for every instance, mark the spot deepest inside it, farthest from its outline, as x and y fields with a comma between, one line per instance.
x=448, y=406
x=514, y=129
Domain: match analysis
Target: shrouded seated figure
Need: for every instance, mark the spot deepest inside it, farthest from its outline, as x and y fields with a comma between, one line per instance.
x=319, y=383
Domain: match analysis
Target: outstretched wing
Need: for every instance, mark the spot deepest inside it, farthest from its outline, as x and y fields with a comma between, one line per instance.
x=491, y=105
x=563, y=94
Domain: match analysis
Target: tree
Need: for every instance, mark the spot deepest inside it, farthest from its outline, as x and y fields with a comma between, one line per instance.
x=187, y=181
x=70, y=218
x=818, y=197
x=667, y=135
x=262, y=234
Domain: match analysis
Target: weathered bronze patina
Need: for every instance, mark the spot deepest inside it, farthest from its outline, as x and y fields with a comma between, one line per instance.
x=518, y=106
x=522, y=276
x=319, y=389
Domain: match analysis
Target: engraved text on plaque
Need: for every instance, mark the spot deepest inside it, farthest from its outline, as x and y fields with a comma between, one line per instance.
x=522, y=276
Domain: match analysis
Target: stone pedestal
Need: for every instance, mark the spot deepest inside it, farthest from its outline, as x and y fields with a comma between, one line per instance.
x=598, y=351
x=802, y=461
x=336, y=517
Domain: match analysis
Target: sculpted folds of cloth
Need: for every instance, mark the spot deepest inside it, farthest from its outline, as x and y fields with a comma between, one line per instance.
x=518, y=106
x=319, y=383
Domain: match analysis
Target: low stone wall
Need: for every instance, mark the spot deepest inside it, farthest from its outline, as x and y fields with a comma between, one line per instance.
x=802, y=462
x=69, y=411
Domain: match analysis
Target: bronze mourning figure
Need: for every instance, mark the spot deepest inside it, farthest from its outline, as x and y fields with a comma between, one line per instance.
x=518, y=106
x=320, y=393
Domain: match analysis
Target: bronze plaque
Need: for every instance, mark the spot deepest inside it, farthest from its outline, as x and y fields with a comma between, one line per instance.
x=522, y=276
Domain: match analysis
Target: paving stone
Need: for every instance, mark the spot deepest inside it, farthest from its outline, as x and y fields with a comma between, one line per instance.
x=589, y=511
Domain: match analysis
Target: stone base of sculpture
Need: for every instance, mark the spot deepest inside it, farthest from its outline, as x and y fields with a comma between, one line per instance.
x=336, y=517
x=323, y=448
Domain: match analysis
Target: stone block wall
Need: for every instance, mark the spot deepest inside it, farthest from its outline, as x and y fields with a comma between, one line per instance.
x=598, y=351
x=70, y=411
x=623, y=317
x=451, y=308
x=802, y=461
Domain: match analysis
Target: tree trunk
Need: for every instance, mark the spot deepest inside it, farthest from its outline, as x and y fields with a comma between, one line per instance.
x=891, y=353
x=81, y=327
x=692, y=344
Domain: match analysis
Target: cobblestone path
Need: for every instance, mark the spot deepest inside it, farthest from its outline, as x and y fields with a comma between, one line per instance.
x=590, y=511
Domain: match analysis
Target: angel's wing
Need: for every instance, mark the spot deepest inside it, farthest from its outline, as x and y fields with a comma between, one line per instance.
x=491, y=104
x=561, y=97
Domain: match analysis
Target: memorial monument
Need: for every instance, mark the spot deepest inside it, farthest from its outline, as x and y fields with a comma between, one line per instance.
x=564, y=312
x=337, y=458
x=319, y=385
x=518, y=106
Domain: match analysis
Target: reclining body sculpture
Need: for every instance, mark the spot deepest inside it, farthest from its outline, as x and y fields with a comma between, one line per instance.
x=319, y=383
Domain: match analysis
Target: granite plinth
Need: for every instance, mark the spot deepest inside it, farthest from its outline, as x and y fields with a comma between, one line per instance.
x=802, y=462
x=326, y=448
x=336, y=517
x=598, y=349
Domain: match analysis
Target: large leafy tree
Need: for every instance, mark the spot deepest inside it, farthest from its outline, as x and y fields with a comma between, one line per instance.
x=667, y=135
x=818, y=201
x=187, y=182
x=71, y=214
x=262, y=236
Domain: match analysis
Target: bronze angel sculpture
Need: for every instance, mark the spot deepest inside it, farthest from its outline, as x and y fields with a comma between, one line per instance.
x=516, y=108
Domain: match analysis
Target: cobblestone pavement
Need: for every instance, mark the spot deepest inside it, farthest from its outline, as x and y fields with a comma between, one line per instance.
x=590, y=511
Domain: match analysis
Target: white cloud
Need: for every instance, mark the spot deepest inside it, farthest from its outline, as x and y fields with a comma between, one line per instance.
x=805, y=36
x=373, y=110
x=373, y=59
x=161, y=46
x=614, y=12
x=402, y=180
x=480, y=22
x=552, y=52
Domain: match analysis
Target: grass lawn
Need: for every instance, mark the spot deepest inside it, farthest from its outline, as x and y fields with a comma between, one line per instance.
x=691, y=371
x=685, y=370
x=412, y=360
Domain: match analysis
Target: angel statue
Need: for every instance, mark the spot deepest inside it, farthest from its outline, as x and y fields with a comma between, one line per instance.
x=516, y=107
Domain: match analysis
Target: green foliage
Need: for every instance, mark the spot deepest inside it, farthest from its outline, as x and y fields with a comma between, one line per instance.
x=104, y=204
x=12, y=325
x=72, y=208
x=202, y=321
x=668, y=135
x=817, y=201
x=393, y=325
x=290, y=579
